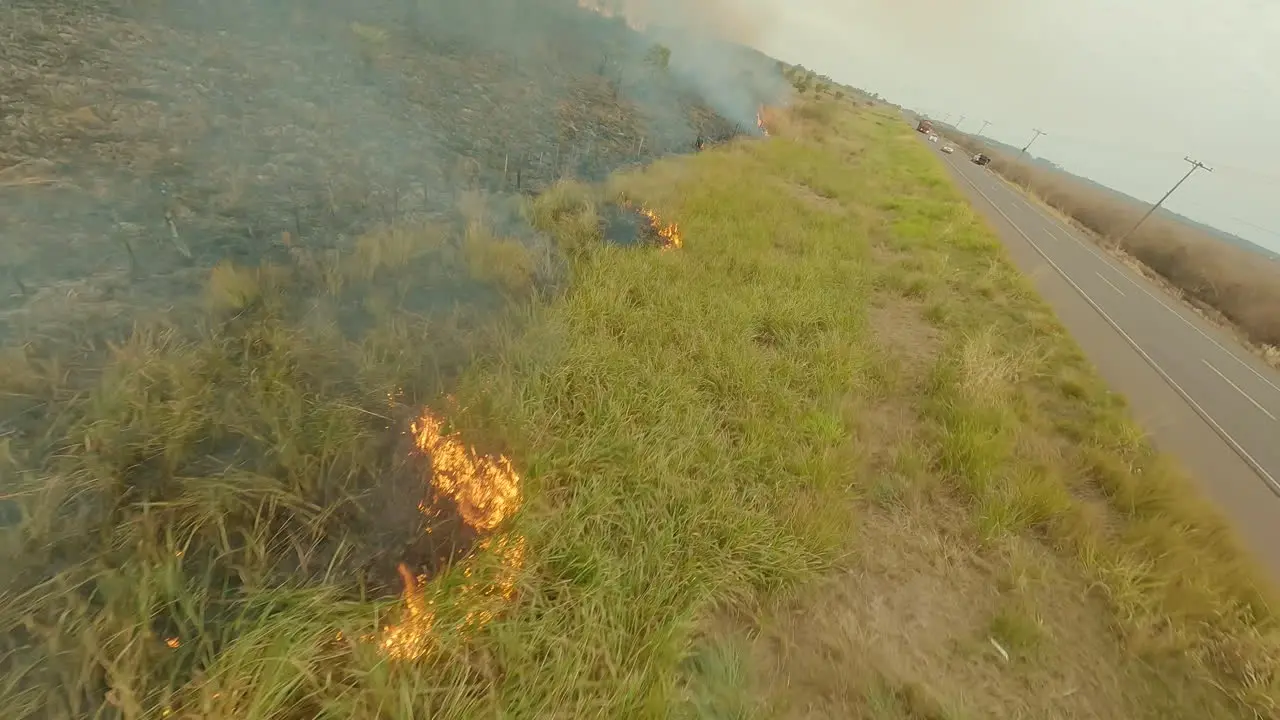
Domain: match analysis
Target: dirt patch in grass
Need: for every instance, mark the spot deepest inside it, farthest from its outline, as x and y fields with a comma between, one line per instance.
x=906, y=336
x=926, y=623
x=887, y=430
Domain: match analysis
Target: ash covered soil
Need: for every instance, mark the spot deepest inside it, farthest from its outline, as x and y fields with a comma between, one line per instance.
x=144, y=141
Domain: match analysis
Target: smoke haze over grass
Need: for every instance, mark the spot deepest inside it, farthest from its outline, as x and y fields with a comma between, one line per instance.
x=151, y=139
x=247, y=247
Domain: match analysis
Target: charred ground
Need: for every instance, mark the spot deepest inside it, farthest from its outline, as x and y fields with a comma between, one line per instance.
x=146, y=141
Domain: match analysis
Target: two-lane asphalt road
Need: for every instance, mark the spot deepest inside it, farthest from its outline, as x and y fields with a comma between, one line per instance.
x=1204, y=398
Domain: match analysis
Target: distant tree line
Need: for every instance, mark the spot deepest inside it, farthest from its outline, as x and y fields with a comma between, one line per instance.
x=805, y=80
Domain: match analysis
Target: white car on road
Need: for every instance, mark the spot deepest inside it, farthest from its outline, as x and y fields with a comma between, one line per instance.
x=948, y=149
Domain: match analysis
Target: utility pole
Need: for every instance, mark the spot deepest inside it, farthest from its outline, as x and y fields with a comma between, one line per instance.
x=1033, y=139
x=985, y=123
x=959, y=122
x=1195, y=165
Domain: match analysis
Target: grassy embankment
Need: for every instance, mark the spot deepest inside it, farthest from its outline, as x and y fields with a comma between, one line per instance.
x=1233, y=285
x=831, y=458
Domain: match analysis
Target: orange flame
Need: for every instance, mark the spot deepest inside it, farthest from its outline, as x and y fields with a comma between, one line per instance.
x=669, y=233
x=760, y=121
x=486, y=490
x=411, y=639
x=669, y=236
x=509, y=550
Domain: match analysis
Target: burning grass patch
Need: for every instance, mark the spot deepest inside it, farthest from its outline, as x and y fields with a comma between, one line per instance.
x=273, y=465
x=626, y=224
x=280, y=463
x=250, y=248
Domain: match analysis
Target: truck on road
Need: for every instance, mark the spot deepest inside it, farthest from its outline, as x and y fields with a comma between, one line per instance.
x=925, y=126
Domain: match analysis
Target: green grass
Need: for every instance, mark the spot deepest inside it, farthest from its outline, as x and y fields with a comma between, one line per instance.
x=819, y=457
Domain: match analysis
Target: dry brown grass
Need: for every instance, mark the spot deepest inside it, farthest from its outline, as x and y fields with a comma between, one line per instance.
x=1240, y=285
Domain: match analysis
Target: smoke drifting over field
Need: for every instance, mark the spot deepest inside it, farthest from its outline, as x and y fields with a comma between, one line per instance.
x=357, y=172
x=154, y=138
x=247, y=250
x=708, y=40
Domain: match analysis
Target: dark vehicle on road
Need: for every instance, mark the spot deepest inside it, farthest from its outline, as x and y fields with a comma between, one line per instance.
x=981, y=159
x=925, y=127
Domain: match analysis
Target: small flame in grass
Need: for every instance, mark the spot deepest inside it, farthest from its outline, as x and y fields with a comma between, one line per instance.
x=669, y=236
x=509, y=551
x=485, y=488
x=411, y=638
x=760, y=121
x=669, y=233
x=173, y=643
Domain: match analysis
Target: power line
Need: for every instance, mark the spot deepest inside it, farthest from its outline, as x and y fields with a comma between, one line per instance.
x=1195, y=165
x=1255, y=226
x=1113, y=147
x=1147, y=152
x=1216, y=210
x=985, y=123
x=1250, y=175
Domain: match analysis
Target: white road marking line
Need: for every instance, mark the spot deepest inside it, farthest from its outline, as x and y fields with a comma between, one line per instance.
x=1113, y=285
x=1206, y=336
x=1128, y=276
x=1246, y=395
x=1270, y=481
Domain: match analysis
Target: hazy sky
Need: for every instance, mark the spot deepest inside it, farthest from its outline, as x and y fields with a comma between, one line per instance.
x=1123, y=88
